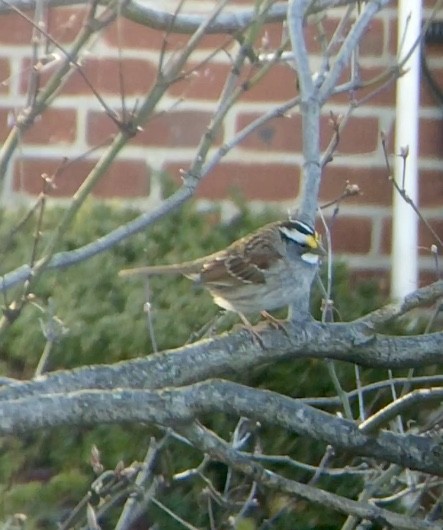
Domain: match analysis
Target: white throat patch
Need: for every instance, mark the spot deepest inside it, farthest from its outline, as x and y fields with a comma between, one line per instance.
x=308, y=257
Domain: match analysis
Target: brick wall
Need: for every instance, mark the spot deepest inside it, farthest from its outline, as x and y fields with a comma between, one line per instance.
x=264, y=168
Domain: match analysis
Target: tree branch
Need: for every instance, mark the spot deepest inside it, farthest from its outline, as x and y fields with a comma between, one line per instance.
x=398, y=407
x=310, y=113
x=419, y=298
x=237, y=352
x=211, y=444
x=229, y=22
x=172, y=407
x=349, y=45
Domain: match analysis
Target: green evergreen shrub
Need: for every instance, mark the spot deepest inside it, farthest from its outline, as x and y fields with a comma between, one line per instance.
x=105, y=323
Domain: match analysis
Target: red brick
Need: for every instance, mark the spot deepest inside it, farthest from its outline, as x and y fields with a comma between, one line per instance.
x=272, y=182
x=386, y=236
x=270, y=37
x=104, y=75
x=392, y=36
x=316, y=39
x=124, y=179
x=351, y=235
x=284, y=134
x=360, y=135
x=5, y=73
x=432, y=50
x=53, y=126
x=279, y=84
x=425, y=237
x=64, y=23
x=431, y=138
x=373, y=182
x=431, y=188
x=393, y=27
x=205, y=82
x=427, y=97
x=169, y=129
x=279, y=134
x=378, y=92
x=15, y=30
x=370, y=45
x=373, y=39
x=128, y=34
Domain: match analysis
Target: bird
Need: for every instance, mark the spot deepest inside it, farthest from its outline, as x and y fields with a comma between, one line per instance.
x=268, y=269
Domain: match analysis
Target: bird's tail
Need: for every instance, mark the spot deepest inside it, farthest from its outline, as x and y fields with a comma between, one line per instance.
x=189, y=269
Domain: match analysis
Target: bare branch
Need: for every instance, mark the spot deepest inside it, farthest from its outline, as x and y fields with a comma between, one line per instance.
x=349, y=45
x=170, y=72
x=173, y=389
x=421, y=297
x=400, y=189
x=296, y=15
x=327, y=402
x=66, y=259
x=236, y=352
x=135, y=505
x=226, y=22
x=178, y=406
x=310, y=112
x=398, y=406
x=210, y=443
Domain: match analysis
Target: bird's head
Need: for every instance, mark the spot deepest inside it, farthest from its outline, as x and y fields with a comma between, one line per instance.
x=306, y=238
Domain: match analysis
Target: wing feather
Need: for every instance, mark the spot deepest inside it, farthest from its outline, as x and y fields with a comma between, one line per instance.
x=245, y=260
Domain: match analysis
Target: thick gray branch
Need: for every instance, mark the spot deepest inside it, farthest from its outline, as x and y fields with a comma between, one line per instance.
x=238, y=352
x=296, y=16
x=316, y=89
x=310, y=112
x=182, y=23
x=179, y=406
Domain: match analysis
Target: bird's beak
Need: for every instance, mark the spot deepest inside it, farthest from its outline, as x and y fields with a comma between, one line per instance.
x=315, y=245
x=316, y=250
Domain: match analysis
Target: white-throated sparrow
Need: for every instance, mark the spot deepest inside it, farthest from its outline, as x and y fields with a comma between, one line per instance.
x=268, y=269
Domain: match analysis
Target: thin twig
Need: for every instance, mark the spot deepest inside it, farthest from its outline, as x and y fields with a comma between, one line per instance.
x=400, y=405
x=403, y=192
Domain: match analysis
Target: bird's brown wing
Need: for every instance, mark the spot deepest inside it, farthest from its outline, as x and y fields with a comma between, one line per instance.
x=244, y=261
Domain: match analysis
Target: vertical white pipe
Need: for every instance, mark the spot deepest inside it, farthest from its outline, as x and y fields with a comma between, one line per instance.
x=404, y=273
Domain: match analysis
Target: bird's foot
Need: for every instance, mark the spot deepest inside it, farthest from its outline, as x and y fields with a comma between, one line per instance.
x=252, y=331
x=275, y=322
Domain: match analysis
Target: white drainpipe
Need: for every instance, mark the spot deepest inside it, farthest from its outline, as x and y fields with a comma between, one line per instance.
x=404, y=229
